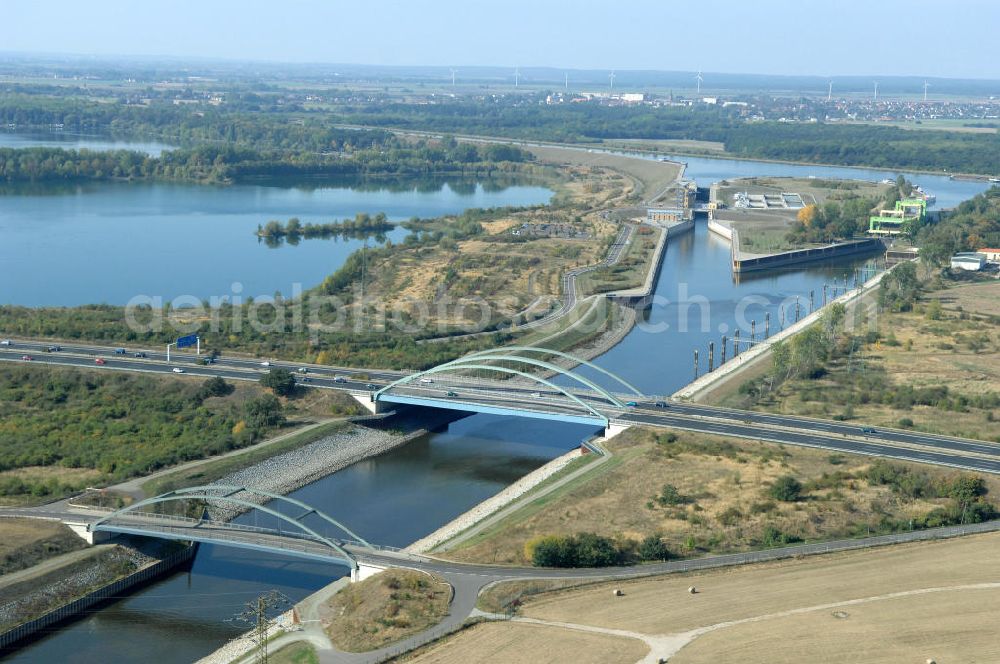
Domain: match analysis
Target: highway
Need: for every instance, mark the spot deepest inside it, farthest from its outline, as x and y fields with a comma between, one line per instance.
x=469, y=392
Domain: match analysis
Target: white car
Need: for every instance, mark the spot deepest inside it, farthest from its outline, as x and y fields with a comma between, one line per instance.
x=265, y=363
x=177, y=370
x=6, y=342
x=537, y=395
x=340, y=379
x=426, y=381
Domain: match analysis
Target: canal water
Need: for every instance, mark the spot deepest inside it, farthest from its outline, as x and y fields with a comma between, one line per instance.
x=398, y=497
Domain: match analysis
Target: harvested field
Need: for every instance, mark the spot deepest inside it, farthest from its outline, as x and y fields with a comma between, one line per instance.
x=662, y=605
x=516, y=643
x=981, y=298
x=956, y=625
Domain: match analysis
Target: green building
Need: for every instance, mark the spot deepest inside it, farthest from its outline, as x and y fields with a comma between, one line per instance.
x=898, y=221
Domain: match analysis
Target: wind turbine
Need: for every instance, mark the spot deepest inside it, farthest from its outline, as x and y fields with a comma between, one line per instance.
x=926, y=85
x=566, y=85
x=612, y=77
x=876, y=90
x=829, y=92
x=699, y=79
x=517, y=76
x=453, y=72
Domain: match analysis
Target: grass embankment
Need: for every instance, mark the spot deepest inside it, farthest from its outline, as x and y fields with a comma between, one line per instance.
x=384, y=609
x=706, y=494
x=26, y=542
x=934, y=369
x=300, y=652
x=889, y=604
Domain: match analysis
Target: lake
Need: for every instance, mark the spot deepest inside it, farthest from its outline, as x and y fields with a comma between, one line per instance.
x=110, y=242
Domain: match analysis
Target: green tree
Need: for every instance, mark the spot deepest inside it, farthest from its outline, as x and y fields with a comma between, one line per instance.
x=263, y=412
x=280, y=381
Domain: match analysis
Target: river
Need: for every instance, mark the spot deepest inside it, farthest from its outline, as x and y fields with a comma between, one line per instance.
x=400, y=496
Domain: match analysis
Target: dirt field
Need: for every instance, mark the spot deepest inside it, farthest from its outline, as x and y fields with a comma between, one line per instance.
x=724, y=505
x=514, y=643
x=983, y=298
x=662, y=605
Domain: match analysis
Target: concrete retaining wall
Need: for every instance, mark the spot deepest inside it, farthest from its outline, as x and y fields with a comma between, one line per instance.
x=787, y=258
x=74, y=608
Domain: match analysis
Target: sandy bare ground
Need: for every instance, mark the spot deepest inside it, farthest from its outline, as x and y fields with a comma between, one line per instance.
x=514, y=643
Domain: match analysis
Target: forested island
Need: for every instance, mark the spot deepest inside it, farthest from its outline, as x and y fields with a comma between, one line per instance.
x=362, y=225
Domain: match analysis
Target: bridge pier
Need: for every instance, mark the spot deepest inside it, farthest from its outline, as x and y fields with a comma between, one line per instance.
x=80, y=529
x=365, y=399
x=614, y=429
x=364, y=571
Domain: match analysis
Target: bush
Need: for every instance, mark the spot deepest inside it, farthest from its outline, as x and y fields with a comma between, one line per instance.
x=772, y=537
x=582, y=550
x=653, y=548
x=669, y=495
x=786, y=489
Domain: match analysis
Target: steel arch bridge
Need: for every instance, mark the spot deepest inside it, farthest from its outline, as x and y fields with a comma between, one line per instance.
x=588, y=403
x=304, y=542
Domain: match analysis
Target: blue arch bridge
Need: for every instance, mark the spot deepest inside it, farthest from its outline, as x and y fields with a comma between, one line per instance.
x=523, y=381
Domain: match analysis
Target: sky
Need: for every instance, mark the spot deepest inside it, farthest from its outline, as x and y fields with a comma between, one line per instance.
x=931, y=38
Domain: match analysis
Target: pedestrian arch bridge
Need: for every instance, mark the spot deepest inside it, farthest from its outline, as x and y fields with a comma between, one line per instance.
x=515, y=380
x=300, y=531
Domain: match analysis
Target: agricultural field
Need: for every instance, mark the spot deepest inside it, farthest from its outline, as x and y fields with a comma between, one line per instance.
x=699, y=494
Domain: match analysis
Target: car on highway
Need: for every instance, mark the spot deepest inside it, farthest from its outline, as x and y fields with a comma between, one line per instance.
x=6, y=342
x=631, y=404
x=536, y=395
x=370, y=386
x=661, y=404
x=119, y=351
x=265, y=363
x=100, y=361
x=177, y=370
x=426, y=381
x=340, y=379
x=53, y=349
x=303, y=370
x=27, y=358
x=140, y=355
x=305, y=379
x=868, y=431
x=449, y=393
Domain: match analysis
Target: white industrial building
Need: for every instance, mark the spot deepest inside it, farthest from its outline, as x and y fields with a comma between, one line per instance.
x=971, y=261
